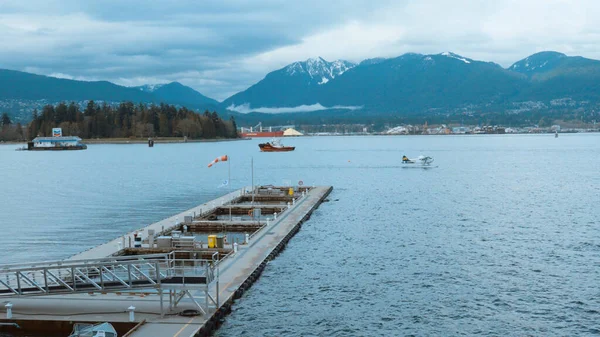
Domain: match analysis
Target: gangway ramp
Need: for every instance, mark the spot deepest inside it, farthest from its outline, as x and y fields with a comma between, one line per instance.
x=159, y=271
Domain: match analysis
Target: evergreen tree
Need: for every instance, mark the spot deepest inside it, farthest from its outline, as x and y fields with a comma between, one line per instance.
x=60, y=113
x=234, y=125
x=6, y=119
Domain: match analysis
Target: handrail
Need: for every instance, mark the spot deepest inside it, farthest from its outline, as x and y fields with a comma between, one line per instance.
x=65, y=262
x=83, y=277
x=80, y=265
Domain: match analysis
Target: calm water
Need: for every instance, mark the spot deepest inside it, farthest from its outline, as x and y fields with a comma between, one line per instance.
x=502, y=239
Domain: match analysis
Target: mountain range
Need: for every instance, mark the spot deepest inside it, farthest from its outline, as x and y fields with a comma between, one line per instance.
x=21, y=93
x=411, y=84
x=424, y=84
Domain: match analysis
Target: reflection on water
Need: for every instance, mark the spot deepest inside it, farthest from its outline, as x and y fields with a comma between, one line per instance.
x=501, y=239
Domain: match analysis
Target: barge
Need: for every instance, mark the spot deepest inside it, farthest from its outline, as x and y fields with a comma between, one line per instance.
x=55, y=143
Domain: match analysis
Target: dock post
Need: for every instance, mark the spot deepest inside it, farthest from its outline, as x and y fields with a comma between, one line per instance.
x=8, y=307
x=162, y=310
x=235, y=248
x=247, y=238
x=275, y=216
x=217, y=306
x=131, y=310
x=206, y=292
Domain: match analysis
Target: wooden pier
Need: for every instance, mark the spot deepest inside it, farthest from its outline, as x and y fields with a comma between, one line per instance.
x=222, y=274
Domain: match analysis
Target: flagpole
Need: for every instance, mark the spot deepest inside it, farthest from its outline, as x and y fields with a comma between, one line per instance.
x=229, y=183
x=252, y=165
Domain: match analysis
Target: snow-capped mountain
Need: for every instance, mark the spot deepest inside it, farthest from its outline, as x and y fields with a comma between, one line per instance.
x=293, y=85
x=319, y=69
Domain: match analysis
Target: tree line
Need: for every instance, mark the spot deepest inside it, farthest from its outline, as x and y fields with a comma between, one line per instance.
x=10, y=131
x=129, y=120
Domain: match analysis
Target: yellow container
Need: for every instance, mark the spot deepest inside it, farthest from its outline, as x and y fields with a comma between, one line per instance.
x=212, y=241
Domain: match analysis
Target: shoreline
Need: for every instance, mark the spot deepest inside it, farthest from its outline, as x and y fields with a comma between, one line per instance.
x=181, y=140
x=156, y=140
x=142, y=141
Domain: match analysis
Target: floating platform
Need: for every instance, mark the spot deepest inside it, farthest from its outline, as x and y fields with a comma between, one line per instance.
x=144, y=288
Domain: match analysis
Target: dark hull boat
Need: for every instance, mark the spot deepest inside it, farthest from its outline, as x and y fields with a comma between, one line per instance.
x=275, y=146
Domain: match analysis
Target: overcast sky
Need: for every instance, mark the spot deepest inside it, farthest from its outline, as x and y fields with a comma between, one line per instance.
x=224, y=46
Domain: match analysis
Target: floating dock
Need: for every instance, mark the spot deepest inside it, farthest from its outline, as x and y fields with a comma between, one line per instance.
x=178, y=277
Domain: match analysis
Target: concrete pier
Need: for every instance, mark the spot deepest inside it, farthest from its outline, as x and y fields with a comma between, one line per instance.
x=158, y=312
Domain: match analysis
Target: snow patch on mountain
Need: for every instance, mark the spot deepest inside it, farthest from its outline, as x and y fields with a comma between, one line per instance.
x=150, y=87
x=319, y=69
x=455, y=56
x=245, y=108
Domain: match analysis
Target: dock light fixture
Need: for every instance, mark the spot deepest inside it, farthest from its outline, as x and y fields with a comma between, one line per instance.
x=131, y=310
x=8, y=307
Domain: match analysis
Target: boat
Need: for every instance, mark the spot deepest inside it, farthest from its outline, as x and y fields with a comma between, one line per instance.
x=275, y=146
x=257, y=131
x=419, y=162
x=91, y=330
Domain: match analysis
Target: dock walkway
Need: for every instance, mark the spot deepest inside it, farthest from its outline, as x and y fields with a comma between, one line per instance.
x=234, y=275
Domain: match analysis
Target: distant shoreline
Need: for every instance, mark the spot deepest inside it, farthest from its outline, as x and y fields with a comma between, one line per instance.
x=156, y=140
x=174, y=140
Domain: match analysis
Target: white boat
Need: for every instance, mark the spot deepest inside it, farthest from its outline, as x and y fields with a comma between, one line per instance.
x=91, y=330
x=419, y=162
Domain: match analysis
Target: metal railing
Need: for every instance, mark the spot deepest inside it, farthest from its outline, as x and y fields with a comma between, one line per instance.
x=103, y=275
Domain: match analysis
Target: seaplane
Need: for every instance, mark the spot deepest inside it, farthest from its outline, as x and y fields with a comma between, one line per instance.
x=419, y=162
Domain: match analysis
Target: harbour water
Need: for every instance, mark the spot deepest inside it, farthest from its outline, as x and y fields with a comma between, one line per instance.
x=502, y=238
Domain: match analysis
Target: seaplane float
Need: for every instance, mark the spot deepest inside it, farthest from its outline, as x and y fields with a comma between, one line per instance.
x=419, y=162
x=275, y=146
x=93, y=330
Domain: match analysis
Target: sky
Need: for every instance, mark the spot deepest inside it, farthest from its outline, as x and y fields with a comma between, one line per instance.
x=222, y=47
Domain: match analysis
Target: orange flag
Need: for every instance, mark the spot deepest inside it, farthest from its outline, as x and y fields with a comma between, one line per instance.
x=222, y=158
